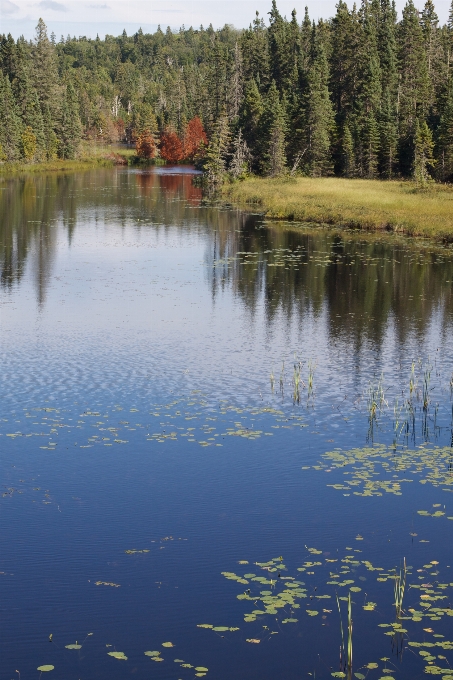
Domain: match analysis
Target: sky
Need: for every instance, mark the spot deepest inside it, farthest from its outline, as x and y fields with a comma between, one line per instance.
x=91, y=17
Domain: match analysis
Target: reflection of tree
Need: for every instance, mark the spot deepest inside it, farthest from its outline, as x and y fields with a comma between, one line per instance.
x=363, y=281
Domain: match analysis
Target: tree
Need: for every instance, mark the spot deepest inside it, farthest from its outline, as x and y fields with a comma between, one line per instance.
x=414, y=84
x=444, y=150
x=250, y=116
x=319, y=116
x=45, y=71
x=145, y=145
x=272, y=134
x=28, y=106
x=423, y=156
x=194, y=139
x=241, y=157
x=10, y=127
x=70, y=128
x=215, y=164
x=171, y=149
x=28, y=143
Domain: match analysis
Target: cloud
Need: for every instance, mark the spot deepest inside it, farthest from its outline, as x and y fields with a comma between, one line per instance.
x=97, y=6
x=54, y=6
x=7, y=7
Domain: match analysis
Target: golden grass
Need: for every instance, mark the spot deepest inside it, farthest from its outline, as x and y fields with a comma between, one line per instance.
x=365, y=204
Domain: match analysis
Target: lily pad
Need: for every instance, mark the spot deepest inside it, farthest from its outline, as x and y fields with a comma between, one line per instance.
x=46, y=668
x=152, y=653
x=167, y=644
x=201, y=669
x=76, y=646
x=118, y=655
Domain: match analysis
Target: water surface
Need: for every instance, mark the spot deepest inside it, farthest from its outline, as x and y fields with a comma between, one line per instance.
x=173, y=375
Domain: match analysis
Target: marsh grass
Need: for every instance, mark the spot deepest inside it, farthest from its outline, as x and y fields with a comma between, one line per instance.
x=361, y=204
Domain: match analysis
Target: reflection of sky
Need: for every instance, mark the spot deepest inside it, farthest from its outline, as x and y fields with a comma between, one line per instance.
x=129, y=308
x=111, y=16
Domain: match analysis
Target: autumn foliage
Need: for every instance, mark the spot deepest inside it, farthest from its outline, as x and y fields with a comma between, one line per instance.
x=194, y=139
x=171, y=146
x=174, y=149
x=145, y=145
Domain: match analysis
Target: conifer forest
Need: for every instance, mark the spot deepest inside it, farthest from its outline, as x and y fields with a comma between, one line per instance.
x=366, y=93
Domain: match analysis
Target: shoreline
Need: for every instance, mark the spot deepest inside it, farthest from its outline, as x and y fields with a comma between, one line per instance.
x=369, y=205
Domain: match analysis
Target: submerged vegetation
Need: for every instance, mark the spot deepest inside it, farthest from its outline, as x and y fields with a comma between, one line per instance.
x=360, y=204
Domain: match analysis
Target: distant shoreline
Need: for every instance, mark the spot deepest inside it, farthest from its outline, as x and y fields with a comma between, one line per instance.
x=373, y=205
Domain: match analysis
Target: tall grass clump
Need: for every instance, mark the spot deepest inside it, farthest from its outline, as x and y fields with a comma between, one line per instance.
x=359, y=203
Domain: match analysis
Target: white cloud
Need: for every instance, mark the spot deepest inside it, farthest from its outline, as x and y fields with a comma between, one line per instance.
x=97, y=6
x=54, y=6
x=7, y=7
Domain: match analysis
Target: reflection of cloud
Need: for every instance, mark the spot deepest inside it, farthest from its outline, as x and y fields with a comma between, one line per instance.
x=50, y=4
x=8, y=7
x=97, y=6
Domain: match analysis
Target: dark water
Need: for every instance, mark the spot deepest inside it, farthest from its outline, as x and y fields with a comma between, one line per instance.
x=214, y=391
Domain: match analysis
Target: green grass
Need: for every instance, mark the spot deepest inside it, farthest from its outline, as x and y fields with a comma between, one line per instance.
x=363, y=204
x=90, y=156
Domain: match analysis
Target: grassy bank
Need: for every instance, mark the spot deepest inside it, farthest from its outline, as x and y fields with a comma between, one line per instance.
x=90, y=156
x=363, y=204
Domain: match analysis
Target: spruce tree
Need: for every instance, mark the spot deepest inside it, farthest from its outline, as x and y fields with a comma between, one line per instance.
x=28, y=106
x=444, y=151
x=414, y=90
x=45, y=71
x=215, y=164
x=250, y=116
x=423, y=156
x=319, y=112
x=272, y=133
x=70, y=128
x=10, y=127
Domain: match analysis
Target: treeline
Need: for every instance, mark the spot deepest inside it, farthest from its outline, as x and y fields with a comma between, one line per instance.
x=360, y=95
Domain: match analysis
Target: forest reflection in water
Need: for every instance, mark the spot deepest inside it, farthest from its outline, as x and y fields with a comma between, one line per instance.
x=361, y=281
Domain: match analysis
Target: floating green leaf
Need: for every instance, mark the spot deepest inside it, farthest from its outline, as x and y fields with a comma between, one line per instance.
x=152, y=653
x=118, y=655
x=46, y=668
x=76, y=646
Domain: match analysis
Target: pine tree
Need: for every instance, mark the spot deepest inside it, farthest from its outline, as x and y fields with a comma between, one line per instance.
x=444, y=152
x=28, y=106
x=45, y=72
x=319, y=116
x=277, y=46
x=250, y=116
x=215, y=164
x=272, y=131
x=414, y=91
x=423, y=156
x=70, y=128
x=240, y=158
x=10, y=128
x=388, y=127
x=348, y=152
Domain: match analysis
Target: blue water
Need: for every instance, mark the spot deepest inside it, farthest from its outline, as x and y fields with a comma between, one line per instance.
x=151, y=343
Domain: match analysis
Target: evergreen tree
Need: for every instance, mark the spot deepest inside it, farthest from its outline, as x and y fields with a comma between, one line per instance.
x=414, y=90
x=319, y=112
x=10, y=128
x=423, y=156
x=70, y=128
x=45, y=71
x=240, y=158
x=28, y=105
x=444, y=151
x=250, y=116
x=272, y=132
x=348, y=160
x=388, y=127
x=215, y=164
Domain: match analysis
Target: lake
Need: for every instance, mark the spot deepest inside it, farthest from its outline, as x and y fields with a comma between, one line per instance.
x=143, y=329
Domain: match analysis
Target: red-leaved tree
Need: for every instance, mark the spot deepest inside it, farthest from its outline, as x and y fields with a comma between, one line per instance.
x=194, y=138
x=145, y=145
x=171, y=146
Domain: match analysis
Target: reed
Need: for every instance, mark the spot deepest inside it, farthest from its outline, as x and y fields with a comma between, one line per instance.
x=399, y=589
x=358, y=203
